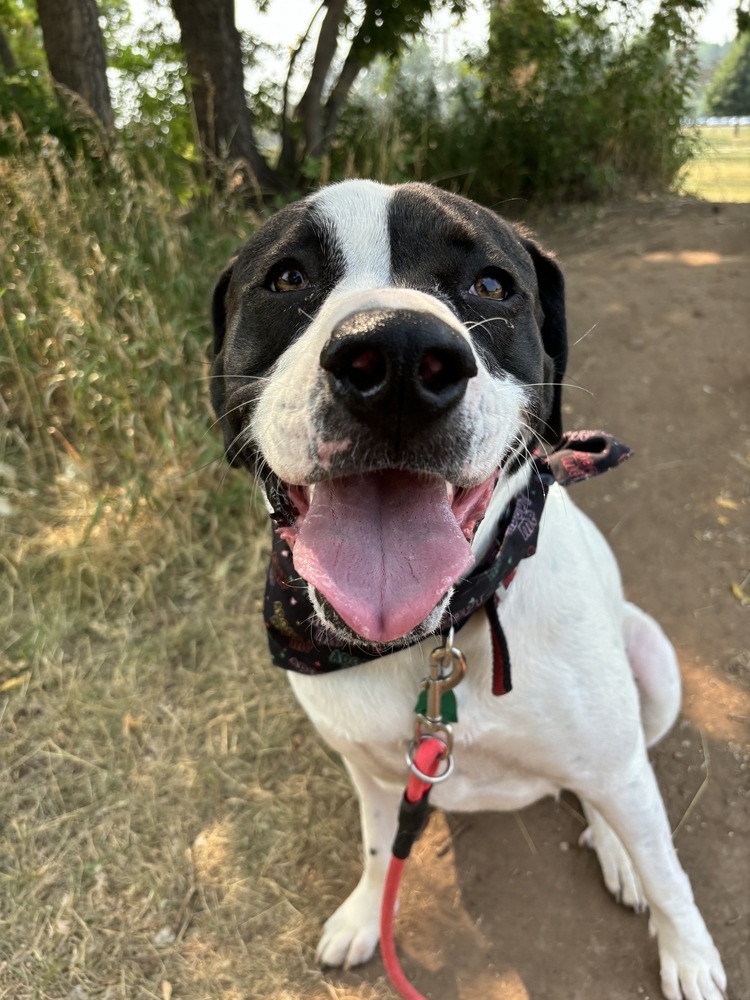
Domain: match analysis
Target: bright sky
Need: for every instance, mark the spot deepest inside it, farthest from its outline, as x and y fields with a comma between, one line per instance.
x=720, y=23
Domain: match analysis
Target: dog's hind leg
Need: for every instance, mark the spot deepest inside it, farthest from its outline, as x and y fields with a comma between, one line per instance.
x=657, y=676
x=656, y=671
x=351, y=934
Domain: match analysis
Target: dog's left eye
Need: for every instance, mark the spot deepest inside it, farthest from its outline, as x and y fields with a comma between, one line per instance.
x=491, y=284
x=287, y=278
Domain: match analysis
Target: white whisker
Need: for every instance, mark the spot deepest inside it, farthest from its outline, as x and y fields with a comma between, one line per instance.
x=490, y=319
x=243, y=378
x=566, y=385
x=590, y=330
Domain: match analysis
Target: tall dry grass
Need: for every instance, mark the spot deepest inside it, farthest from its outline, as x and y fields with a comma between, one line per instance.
x=158, y=789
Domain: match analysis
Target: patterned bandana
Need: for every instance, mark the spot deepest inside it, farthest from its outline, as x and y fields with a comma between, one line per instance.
x=299, y=642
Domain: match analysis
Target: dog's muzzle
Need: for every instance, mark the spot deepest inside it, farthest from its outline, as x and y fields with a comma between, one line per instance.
x=397, y=370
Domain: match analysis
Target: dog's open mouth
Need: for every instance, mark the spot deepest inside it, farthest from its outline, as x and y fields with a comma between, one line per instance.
x=383, y=548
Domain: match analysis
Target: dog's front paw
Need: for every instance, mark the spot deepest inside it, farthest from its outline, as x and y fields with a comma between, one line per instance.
x=351, y=934
x=620, y=877
x=691, y=971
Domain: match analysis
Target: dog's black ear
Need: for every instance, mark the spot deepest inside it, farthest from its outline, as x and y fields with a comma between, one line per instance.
x=219, y=305
x=554, y=330
x=219, y=317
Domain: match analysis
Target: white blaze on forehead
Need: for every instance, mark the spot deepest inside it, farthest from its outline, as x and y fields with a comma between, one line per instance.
x=357, y=214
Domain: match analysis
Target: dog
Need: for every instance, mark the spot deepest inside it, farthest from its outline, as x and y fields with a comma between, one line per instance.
x=388, y=361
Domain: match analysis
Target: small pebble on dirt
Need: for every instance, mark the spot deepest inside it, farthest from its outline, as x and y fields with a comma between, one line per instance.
x=163, y=938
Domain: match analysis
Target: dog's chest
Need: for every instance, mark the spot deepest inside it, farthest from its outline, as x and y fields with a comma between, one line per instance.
x=509, y=750
x=367, y=715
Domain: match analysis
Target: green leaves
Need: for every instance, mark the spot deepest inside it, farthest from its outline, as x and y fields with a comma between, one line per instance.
x=729, y=92
x=388, y=24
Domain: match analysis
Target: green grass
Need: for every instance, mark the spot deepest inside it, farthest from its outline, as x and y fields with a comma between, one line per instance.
x=721, y=169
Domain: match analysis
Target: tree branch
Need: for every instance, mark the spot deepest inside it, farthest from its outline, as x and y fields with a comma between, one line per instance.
x=309, y=110
x=287, y=158
x=353, y=66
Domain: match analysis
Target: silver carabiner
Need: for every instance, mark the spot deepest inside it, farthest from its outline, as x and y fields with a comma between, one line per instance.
x=439, y=681
x=447, y=669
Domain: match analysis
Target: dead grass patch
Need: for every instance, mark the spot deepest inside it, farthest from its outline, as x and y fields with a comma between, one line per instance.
x=168, y=817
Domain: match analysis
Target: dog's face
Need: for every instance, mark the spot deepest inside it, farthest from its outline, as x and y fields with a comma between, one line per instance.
x=383, y=356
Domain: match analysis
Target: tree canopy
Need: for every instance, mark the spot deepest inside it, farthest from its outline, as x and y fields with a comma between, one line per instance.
x=565, y=98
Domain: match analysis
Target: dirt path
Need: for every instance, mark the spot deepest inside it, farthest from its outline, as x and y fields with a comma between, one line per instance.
x=516, y=910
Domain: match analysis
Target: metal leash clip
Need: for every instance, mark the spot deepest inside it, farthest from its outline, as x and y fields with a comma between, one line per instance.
x=447, y=668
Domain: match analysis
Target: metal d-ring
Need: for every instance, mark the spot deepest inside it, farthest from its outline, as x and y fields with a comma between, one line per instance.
x=432, y=779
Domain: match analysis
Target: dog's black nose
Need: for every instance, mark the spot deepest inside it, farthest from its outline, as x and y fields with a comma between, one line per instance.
x=397, y=369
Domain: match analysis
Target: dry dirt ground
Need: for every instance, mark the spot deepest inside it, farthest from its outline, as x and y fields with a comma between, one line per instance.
x=508, y=906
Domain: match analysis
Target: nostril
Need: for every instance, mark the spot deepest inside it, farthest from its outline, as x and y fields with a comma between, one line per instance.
x=354, y=367
x=366, y=370
x=438, y=370
x=430, y=368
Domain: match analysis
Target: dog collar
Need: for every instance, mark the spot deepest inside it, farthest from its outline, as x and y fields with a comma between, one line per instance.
x=300, y=643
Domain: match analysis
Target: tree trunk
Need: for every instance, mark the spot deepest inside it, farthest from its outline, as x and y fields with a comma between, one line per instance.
x=74, y=46
x=338, y=97
x=288, y=156
x=309, y=110
x=7, y=60
x=212, y=49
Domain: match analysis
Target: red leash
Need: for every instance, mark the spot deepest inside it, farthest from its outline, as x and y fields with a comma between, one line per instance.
x=412, y=819
x=431, y=747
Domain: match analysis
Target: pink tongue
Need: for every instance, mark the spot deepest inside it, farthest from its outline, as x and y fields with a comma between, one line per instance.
x=383, y=548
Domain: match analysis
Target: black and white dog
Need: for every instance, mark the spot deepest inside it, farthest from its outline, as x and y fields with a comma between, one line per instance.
x=387, y=359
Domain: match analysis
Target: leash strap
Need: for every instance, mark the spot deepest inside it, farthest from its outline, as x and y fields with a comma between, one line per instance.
x=411, y=821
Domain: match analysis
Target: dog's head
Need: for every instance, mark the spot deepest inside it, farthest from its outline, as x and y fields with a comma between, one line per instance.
x=384, y=356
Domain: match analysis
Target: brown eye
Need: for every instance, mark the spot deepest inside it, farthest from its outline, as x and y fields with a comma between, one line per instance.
x=490, y=286
x=290, y=279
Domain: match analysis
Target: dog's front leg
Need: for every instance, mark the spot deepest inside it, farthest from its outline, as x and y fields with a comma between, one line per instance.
x=632, y=804
x=351, y=933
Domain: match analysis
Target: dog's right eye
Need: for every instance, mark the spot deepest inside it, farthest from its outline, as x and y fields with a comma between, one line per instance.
x=492, y=284
x=287, y=278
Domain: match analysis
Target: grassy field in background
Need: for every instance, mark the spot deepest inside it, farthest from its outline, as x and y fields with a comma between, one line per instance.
x=721, y=170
